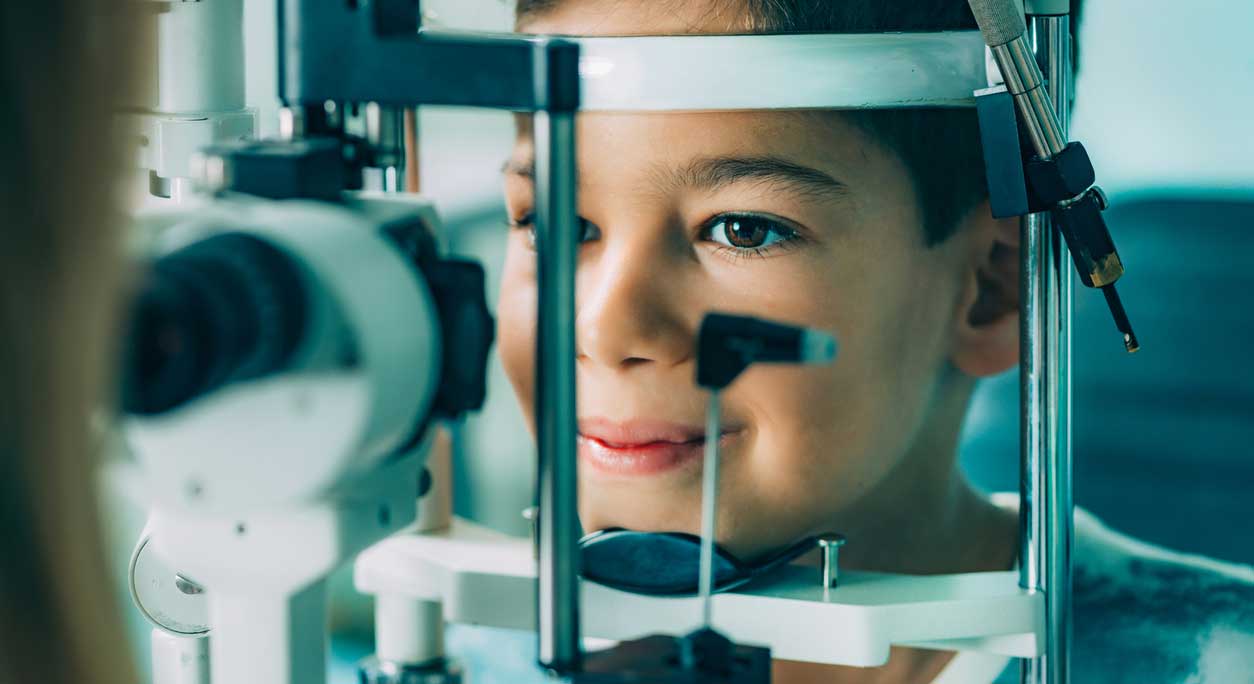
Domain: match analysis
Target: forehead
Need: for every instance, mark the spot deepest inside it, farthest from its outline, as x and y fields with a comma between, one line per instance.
x=639, y=17
x=825, y=140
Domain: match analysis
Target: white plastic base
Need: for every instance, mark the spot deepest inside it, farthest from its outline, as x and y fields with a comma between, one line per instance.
x=485, y=578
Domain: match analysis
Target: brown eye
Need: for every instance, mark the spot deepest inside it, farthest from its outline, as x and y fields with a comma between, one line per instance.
x=748, y=232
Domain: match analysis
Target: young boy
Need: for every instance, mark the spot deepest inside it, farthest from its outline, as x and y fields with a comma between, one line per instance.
x=874, y=226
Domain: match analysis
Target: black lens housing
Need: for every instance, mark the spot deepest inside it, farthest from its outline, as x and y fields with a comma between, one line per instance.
x=228, y=308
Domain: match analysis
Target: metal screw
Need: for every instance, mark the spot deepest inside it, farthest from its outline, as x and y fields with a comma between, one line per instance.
x=830, y=544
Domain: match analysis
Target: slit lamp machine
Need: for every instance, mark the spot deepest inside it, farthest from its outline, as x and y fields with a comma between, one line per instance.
x=297, y=284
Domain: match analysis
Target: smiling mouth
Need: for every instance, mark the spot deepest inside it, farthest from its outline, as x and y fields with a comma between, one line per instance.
x=642, y=449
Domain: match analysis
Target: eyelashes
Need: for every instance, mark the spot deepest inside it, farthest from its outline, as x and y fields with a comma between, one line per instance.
x=732, y=235
x=590, y=231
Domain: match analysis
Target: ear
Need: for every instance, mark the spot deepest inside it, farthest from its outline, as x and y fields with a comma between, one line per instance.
x=986, y=332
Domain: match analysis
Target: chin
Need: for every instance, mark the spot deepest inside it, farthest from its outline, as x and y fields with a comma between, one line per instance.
x=639, y=511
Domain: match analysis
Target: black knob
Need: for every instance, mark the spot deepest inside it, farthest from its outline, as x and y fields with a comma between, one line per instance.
x=469, y=331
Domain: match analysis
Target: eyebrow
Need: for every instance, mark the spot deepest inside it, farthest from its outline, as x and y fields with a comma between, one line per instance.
x=714, y=173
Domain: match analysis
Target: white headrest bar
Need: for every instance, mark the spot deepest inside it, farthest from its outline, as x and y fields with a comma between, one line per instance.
x=790, y=71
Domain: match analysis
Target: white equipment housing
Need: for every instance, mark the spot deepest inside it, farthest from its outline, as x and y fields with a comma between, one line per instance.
x=201, y=96
x=310, y=473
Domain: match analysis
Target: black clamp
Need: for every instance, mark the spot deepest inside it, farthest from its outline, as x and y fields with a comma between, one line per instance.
x=1067, y=175
x=311, y=168
x=1020, y=183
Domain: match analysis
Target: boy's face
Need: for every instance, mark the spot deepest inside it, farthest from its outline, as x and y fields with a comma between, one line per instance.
x=796, y=217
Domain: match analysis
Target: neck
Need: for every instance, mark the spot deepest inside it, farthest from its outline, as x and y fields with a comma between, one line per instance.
x=925, y=519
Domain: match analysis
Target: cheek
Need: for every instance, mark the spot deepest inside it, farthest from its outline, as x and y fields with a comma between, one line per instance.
x=847, y=426
x=516, y=324
x=916, y=325
x=819, y=443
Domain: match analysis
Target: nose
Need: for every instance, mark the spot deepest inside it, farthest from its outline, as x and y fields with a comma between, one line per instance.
x=631, y=310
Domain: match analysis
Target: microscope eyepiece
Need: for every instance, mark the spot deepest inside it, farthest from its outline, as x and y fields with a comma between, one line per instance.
x=230, y=307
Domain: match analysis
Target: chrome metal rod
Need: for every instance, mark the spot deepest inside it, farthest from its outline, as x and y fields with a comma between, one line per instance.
x=709, y=507
x=1046, y=520
x=1053, y=34
x=1035, y=414
x=1026, y=81
x=556, y=250
x=1032, y=407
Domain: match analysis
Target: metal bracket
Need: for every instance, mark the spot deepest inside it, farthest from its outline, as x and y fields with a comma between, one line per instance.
x=375, y=52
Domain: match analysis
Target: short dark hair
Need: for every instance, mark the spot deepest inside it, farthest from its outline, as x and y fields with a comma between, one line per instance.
x=940, y=147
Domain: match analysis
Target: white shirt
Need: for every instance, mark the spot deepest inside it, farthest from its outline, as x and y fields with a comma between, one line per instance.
x=1141, y=615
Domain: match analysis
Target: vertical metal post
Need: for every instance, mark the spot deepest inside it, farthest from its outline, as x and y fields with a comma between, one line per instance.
x=1033, y=421
x=1053, y=37
x=709, y=508
x=557, y=242
x=1046, y=519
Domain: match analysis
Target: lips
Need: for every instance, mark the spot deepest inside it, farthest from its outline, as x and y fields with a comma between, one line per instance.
x=640, y=447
